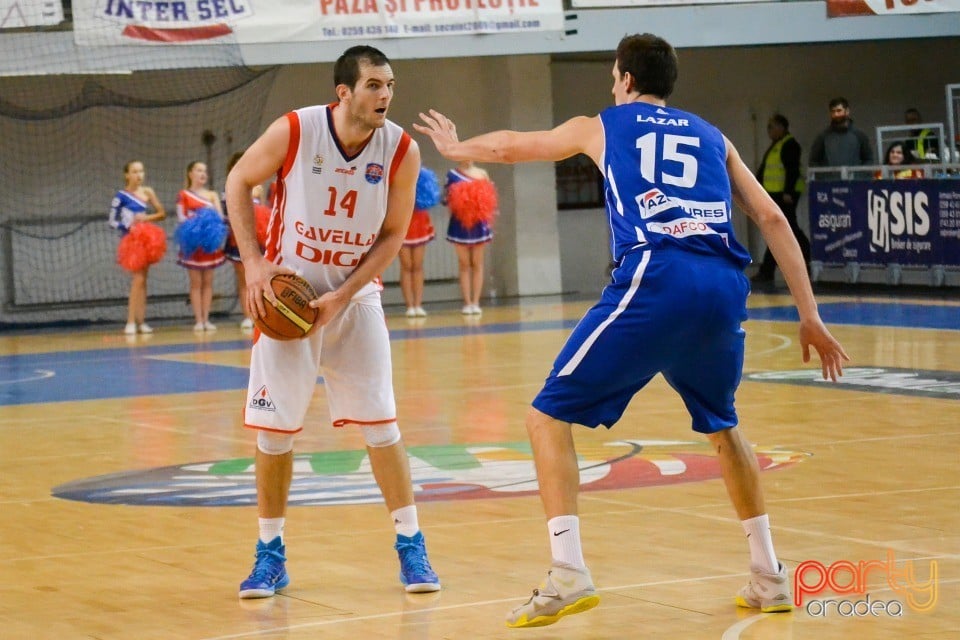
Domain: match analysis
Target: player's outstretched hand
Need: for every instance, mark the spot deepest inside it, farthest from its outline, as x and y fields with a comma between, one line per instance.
x=440, y=128
x=814, y=334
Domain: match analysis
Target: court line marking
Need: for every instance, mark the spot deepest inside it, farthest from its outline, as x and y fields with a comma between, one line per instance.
x=690, y=511
x=42, y=374
x=462, y=605
x=733, y=632
x=737, y=628
x=785, y=343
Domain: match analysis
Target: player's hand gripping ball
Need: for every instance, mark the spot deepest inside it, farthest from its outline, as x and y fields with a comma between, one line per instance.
x=292, y=317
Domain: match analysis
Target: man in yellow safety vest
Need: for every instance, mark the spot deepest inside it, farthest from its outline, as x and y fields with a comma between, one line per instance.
x=779, y=173
x=923, y=144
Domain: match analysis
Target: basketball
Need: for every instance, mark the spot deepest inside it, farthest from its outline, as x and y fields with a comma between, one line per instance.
x=292, y=317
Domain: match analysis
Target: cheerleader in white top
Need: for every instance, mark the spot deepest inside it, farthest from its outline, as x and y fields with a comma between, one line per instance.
x=472, y=200
x=142, y=243
x=201, y=235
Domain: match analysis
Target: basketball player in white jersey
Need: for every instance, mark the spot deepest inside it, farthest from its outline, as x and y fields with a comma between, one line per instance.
x=345, y=194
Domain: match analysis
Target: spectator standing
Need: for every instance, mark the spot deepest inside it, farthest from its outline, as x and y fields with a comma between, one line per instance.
x=923, y=145
x=779, y=173
x=841, y=144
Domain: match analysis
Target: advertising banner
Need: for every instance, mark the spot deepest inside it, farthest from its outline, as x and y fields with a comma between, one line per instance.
x=846, y=8
x=30, y=13
x=124, y=22
x=880, y=222
x=594, y=4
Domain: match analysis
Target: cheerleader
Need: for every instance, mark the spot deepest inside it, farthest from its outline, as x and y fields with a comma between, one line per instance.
x=199, y=261
x=419, y=234
x=472, y=200
x=141, y=244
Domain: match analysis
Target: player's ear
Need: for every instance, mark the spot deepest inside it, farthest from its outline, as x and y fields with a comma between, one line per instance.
x=630, y=81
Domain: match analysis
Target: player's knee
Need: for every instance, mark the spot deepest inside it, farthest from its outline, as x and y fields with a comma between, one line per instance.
x=274, y=444
x=381, y=435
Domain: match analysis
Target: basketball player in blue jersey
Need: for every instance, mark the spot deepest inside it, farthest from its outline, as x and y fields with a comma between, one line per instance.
x=674, y=305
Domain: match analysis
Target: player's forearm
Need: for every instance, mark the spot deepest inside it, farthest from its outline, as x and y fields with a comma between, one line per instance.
x=382, y=252
x=241, y=219
x=495, y=146
x=783, y=245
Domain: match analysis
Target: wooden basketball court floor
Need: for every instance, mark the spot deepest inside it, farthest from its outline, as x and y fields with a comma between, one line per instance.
x=126, y=487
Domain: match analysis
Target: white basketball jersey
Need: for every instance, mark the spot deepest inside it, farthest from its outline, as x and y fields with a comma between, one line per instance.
x=330, y=206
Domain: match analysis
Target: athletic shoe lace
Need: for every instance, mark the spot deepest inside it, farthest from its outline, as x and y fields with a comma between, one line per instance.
x=268, y=566
x=414, y=559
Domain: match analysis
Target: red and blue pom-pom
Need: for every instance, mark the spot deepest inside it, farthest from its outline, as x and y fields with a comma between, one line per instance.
x=205, y=231
x=145, y=244
x=428, y=190
x=473, y=201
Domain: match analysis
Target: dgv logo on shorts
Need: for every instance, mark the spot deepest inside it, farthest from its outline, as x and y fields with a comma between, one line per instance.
x=261, y=400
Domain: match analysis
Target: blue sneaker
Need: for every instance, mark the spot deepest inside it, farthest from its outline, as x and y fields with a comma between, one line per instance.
x=269, y=573
x=416, y=574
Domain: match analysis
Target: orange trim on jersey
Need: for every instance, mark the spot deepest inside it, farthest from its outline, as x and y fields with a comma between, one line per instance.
x=402, y=147
x=258, y=428
x=275, y=226
x=293, y=144
x=345, y=421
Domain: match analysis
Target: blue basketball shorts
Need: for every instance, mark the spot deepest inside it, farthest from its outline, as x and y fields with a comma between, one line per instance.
x=666, y=311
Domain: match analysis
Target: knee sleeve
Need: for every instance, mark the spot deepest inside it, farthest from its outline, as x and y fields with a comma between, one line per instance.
x=381, y=435
x=274, y=444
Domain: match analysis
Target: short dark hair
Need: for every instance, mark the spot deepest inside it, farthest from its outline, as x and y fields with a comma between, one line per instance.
x=346, y=70
x=781, y=120
x=839, y=102
x=651, y=61
x=234, y=159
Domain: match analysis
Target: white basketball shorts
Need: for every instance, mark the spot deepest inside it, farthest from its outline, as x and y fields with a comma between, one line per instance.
x=352, y=353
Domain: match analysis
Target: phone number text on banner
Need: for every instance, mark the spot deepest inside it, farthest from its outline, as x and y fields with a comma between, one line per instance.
x=881, y=222
x=106, y=22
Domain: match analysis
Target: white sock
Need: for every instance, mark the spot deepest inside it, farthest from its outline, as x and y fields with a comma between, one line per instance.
x=762, y=555
x=270, y=528
x=405, y=521
x=565, y=540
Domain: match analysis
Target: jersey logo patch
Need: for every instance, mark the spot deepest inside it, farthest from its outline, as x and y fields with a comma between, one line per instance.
x=261, y=400
x=374, y=173
x=655, y=201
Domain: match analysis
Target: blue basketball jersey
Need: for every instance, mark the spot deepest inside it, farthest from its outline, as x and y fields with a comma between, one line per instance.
x=667, y=183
